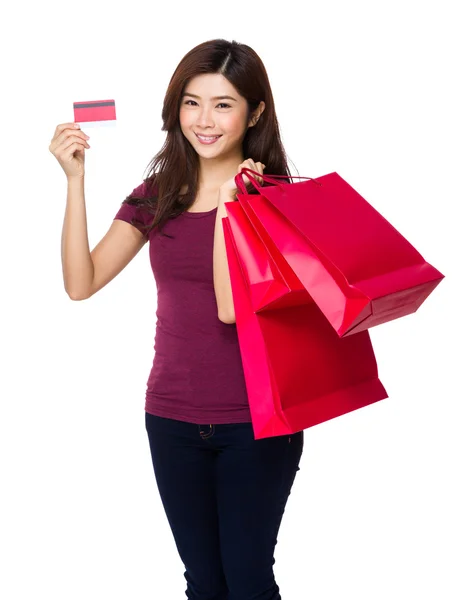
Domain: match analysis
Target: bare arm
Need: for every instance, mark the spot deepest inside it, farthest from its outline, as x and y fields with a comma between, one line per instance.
x=221, y=276
x=86, y=272
x=77, y=266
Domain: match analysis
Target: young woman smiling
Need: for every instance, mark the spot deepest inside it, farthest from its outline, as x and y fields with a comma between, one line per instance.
x=224, y=493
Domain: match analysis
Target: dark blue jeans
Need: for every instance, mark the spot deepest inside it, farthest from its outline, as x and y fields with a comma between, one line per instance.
x=224, y=495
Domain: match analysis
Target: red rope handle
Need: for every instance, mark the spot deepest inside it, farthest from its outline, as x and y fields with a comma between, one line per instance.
x=269, y=179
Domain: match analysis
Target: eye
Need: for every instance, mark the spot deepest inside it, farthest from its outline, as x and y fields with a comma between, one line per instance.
x=220, y=104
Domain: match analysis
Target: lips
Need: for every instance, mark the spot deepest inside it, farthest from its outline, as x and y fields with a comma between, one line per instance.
x=207, y=136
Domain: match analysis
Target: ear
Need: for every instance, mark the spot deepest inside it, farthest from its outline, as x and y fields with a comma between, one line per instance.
x=257, y=113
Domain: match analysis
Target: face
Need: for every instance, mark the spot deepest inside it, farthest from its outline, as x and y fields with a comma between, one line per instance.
x=204, y=114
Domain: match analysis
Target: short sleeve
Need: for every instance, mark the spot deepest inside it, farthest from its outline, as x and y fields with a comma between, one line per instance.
x=136, y=215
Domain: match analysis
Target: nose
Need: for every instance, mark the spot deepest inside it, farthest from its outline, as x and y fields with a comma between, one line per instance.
x=205, y=118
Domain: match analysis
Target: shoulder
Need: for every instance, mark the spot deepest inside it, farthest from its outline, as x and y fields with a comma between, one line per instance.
x=147, y=189
x=138, y=207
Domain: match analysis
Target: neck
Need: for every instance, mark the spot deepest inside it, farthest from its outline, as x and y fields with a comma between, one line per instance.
x=213, y=173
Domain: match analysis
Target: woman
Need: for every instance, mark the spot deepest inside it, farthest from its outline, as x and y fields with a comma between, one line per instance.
x=224, y=492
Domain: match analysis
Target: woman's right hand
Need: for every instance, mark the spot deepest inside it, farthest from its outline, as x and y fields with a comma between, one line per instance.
x=68, y=146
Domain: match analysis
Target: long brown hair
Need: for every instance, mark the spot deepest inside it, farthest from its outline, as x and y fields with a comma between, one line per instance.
x=177, y=161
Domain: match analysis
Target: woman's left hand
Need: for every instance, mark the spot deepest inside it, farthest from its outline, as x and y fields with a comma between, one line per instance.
x=229, y=188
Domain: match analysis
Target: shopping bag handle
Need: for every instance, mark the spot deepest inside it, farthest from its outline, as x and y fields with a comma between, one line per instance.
x=269, y=179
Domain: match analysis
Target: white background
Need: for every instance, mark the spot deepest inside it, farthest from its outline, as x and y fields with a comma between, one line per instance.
x=366, y=89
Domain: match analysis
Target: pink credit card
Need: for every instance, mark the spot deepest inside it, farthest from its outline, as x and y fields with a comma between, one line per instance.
x=95, y=113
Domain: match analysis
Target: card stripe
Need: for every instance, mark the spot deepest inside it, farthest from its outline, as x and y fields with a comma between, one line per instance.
x=94, y=104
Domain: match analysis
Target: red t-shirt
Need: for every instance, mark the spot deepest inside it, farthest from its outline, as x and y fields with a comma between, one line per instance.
x=197, y=373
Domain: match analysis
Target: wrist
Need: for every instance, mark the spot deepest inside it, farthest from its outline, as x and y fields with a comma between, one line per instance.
x=75, y=180
x=226, y=195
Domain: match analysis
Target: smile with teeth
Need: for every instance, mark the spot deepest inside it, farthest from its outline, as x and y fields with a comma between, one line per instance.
x=206, y=138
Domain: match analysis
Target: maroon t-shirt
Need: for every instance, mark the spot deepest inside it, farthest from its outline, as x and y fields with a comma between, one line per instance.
x=197, y=373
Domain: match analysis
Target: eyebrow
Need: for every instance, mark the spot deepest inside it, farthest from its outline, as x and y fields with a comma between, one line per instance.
x=215, y=97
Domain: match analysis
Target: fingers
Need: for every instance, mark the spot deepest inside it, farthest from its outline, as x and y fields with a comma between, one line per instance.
x=72, y=140
x=76, y=134
x=249, y=163
x=66, y=135
x=69, y=143
x=257, y=167
x=62, y=126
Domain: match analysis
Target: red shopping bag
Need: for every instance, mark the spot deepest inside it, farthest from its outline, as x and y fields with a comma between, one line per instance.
x=357, y=268
x=298, y=372
x=271, y=283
